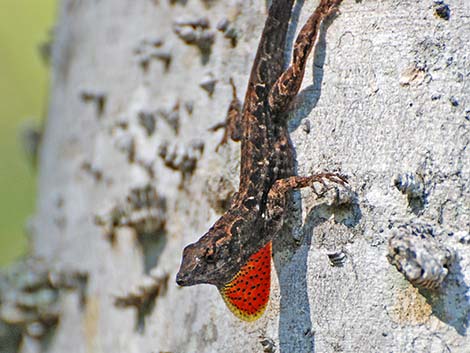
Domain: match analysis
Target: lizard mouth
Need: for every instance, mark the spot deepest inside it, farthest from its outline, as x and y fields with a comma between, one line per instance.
x=182, y=280
x=185, y=277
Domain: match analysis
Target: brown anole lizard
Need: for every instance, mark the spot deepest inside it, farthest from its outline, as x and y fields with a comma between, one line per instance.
x=235, y=253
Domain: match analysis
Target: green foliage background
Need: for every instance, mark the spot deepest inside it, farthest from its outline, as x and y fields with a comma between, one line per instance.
x=24, y=25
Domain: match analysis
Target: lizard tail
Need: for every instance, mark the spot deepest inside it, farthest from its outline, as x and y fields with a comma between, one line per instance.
x=247, y=294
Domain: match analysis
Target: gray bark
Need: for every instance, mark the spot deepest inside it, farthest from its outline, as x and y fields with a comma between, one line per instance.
x=385, y=101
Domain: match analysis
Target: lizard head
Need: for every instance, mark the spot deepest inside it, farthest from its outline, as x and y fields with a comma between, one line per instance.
x=213, y=259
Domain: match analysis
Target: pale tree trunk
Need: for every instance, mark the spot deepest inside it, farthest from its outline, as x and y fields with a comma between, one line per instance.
x=385, y=101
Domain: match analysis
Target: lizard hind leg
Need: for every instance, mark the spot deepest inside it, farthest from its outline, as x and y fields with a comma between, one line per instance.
x=247, y=294
x=288, y=84
x=233, y=120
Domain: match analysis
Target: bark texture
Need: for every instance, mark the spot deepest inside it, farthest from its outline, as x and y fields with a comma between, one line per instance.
x=135, y=87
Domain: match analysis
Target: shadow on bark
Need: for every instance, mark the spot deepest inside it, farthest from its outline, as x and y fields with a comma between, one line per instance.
x=450, y=304
x=152, y=246
x=142, y=298
x=308, y=98
x=294, y=316
x=295, y=326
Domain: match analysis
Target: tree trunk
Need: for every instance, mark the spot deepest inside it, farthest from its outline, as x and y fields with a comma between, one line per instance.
x=129, y=175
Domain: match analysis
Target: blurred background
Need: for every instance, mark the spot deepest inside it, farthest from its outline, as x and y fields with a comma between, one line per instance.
x=25, y=26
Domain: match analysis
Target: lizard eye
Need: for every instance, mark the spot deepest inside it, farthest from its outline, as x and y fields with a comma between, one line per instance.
x=209, y=256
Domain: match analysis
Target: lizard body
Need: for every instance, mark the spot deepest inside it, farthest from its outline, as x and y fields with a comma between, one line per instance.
x=233, y=248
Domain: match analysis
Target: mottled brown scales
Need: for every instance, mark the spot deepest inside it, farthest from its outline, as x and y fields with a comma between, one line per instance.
x=235, y=253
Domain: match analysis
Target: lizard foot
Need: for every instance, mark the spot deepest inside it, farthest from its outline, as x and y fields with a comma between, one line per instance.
x=334, y=188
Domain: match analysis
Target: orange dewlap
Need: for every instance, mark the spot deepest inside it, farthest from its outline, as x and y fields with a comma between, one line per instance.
x=247, y=294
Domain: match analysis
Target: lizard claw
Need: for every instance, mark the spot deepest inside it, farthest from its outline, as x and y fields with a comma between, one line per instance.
x=334, y=187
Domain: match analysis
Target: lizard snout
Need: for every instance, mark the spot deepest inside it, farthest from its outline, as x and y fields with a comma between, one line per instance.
x=181, y=280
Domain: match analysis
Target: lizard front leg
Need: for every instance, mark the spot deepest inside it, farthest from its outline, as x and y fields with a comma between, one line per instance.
x=233, y=121
x=277, y=196
x=288, y=84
